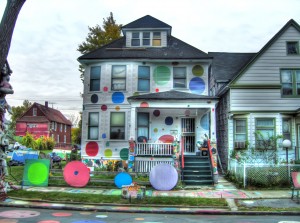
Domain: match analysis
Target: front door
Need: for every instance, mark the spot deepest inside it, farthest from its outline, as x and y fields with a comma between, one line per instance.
x=188, y=135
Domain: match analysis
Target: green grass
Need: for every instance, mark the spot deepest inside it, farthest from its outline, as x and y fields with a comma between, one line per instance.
x=115, y=199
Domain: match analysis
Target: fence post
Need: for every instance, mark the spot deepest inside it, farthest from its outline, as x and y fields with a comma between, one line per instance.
x=245, y=175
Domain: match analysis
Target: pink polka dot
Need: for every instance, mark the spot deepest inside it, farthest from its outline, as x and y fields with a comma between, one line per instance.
x=61, y=214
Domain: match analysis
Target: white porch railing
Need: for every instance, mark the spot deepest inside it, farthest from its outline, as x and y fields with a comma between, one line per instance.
x=154, y=149
x=145, y=164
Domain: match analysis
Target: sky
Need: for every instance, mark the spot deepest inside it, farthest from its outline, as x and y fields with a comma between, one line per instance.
x=43, y=53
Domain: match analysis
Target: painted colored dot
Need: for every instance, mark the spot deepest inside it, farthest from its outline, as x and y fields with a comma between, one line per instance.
x=19, y=214
x=197, y=85
x=108, y=153
x=117, y=97
x=47, y=221
x=94, y=98
x=92, y=148
x=117, y=108
x=156, y=113
x=124, y=154
x=88, y=221
x=37, y=173
x=198, y=70
x=169, y=120
x=156, y=90
x=62, y=214
x=105, y=89
x=161, y=75
x=155, y=130
x=122, y=179
x=144, y=105
x=76, y=172
x=103, y=136
x=8, y=220
x=104, y=107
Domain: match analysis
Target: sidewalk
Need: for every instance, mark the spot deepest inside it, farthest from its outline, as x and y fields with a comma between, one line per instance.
x=224, y=189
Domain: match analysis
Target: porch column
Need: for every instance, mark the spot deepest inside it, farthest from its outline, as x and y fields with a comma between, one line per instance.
x=132, y=123
x=213, y=124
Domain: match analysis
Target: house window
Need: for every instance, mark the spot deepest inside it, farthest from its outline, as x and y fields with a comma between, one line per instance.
x=65, y=128
x=117, y=125
x=240, y=133
x=292, y=48
x=156, y=40
x=65, y=139
x=95, y=78
x=118, y=78
x=34, y=111
x=265, y=130
x=179, y=77
x=61, y=127
x=290, y=82
x=144, y=78
x=135, y=40
x=286, y=128
x=142, y=126
x=93, y=125
x=58, y=138
x=146, y=38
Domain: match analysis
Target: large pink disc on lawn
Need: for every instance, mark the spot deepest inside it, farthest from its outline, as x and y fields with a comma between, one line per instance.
x=163, y=176
x=76, y=174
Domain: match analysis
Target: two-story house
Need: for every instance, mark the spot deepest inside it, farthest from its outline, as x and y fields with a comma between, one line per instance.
x=41, y=120
x=259, y=92
x=147, y=86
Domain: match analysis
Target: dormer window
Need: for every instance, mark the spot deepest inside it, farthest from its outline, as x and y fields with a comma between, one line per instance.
x=292, y=48
x=135, y=41
x=156, y=41
x=146, y=38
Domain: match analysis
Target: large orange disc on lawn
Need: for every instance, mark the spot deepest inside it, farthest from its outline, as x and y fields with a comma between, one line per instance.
x=76, y=174
x=92, y=148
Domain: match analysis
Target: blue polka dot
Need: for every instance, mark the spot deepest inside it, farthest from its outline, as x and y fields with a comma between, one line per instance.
x=169, y=120
x=118, y=97
x=94, y=98
x=123, y=179
x=197, y=85
x=103, y=136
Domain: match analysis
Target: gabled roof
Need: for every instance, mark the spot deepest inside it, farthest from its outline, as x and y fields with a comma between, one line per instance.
x=271, y=41
x=170, y=95
x=147, y=22
x=176, y=49
x=50, y=115
x=225, y=66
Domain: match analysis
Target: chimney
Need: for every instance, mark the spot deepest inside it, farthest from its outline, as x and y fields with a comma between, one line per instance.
x=46, y=104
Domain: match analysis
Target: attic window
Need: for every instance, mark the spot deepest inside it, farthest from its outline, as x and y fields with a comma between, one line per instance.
x=135, y=40
x=34, y=111
x=156, y=41
x=292, y=48
x=146, y=38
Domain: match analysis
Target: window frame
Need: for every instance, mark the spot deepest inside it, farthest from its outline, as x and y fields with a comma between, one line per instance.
x=266, y=128
x=135, y=38
x=95, y=78
x=146, y=38
x=180, y=78
x=34, y=111
x=235, y=129
x=139, y=125
x=295, y=45
x=156, y=38
x=140, y=79
x=93, y=126
x=112, y=134
x=294, y=83
x=118, y=78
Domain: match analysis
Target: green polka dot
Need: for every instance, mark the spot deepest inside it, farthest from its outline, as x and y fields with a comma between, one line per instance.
x=37, y=173
x=155, y=130
x=198, y=70
x=161, y=75
x=136, y=93
x=124, y=154
x=108, y=153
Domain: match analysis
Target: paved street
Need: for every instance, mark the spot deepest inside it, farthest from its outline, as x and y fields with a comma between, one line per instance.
x=24, y=215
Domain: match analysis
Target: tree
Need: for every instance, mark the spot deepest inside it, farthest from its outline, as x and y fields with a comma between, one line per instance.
x=76, y=132
x=7, y=25
x=98, y=37
x=17, y=112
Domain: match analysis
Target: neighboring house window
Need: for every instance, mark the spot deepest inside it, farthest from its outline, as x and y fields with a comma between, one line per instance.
x=31, y=125
x=240, y=133
x=135, y=40
x=61, y=127
x=179, y=77
x=142, y=126
x=93, y=125
x=292, y=48
x=117, y=125
x=95, y=75
x=286, y=128
x=144, y=78
x=52, y=136
x=65, y=138
x=156, y=40
x=265, y=129
x=146, y=38
x=55, y=126
x=34, y=111
x=65, y=128
x=118, y=78
x=290, y=82
x=57, y=138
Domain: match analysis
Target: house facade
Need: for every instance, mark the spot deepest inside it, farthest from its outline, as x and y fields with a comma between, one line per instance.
x=41, y=120
x=259, y=93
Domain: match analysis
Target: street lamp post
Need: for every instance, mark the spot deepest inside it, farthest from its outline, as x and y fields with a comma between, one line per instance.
x=286, y=144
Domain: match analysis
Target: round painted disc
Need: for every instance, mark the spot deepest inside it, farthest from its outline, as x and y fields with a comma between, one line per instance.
x=163, y=177
x=76, y=174
x=122, y=179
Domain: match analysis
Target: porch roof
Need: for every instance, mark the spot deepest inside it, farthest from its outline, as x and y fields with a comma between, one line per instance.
x=171, y=95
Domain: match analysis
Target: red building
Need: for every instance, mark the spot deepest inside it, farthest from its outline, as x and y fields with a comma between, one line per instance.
x=41, y=120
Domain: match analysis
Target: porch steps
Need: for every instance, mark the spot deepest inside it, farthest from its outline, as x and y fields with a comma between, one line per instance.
x=197, y=171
